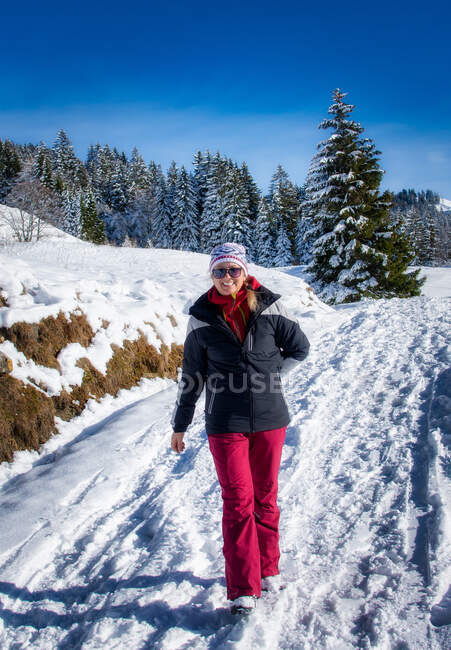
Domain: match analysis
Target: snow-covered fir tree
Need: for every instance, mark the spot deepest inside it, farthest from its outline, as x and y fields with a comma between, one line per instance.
x=355, y=252
x=138, y=173
x=201, y=164
x=282, y=256
x=186, y=220
x=140, y=201
x=71, y=218
x=42, y=165
x=302, y=245
x=419, y=217
x=161, y=216
x=284, y=202
x=253, y=193
x=118, y=192
x=264, y=249
x=139, y=219
x=69, y=172
x=236, y=224
x=212, y=214
x=172, y=177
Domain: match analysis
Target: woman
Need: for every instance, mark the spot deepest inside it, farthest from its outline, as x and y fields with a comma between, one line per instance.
x=239, y=339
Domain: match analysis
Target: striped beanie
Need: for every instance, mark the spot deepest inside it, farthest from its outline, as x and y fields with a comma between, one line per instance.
x=228, y=252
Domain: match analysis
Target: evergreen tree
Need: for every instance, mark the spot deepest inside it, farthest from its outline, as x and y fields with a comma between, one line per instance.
x=285, y=207
x=139, y=219
x=118, y=191
x=211, y=217
x=263, y=233
x=115, y=227
x=253, y=193
x=420, y=219
x=186, y=221
x=71, y=220
x=355, y=251
x=92, y=228
x=67, y=165
x=201, y=165
x=236, y=225
x=42, y=166
x=302, y=244
x=172, y=177
x=161, y=233
x=139, y=175
x=283, y=255
x=10, y=166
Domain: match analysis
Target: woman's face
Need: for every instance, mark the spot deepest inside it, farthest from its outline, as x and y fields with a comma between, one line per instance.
x=227, y=285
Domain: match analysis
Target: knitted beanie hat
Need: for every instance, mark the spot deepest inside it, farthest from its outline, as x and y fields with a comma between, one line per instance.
x=228, y=252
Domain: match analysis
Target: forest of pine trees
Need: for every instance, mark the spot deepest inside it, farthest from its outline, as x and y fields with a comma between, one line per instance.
x=355, y=240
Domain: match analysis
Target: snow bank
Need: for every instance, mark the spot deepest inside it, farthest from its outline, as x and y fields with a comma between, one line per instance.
x=48, y=232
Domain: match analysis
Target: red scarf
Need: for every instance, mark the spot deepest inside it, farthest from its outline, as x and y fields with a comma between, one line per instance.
x=235, y=308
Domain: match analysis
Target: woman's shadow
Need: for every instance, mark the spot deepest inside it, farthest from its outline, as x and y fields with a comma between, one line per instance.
x=194, y=616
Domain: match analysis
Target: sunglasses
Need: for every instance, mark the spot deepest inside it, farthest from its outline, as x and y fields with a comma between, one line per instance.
x=234, y=272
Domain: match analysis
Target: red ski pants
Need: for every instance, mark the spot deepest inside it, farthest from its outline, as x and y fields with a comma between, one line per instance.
x=247, y=465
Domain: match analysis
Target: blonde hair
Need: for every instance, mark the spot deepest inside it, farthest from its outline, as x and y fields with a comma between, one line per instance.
x=252, y=300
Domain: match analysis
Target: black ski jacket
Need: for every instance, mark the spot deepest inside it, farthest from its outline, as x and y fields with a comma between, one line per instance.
x=242, y=380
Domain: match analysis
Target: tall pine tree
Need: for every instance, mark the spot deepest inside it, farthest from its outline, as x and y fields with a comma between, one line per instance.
x=355, y=251
x=186, y=221
x=91, y=224
x=264, y=238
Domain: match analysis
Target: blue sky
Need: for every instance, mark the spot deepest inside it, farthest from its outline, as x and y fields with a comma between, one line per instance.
x=252, y=79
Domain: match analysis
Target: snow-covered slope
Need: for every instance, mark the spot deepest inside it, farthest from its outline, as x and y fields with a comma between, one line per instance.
x=444, y=205
x=108, y=539
x=9, y=215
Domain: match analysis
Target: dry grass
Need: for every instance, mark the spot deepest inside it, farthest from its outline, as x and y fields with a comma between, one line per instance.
x=3, y=301
x=43, y=341
x=26, y=417
x=128, y=365
x=27, y=414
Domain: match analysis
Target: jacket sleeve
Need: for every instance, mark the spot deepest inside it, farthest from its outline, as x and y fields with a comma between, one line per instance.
x=291, y=340
x=192, y=378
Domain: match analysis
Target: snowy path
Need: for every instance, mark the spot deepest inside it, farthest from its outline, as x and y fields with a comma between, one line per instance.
x=112, y=541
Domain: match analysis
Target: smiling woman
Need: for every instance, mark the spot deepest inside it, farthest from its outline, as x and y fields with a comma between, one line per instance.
x=239, y=338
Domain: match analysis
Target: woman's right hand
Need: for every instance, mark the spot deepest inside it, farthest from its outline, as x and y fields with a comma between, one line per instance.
x=177, y=443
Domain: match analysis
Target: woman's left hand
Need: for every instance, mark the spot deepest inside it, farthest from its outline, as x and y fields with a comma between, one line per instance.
x=177, y=443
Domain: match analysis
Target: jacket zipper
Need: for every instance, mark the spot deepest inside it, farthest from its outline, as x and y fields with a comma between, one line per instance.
x=212, y=399
x=251, y=399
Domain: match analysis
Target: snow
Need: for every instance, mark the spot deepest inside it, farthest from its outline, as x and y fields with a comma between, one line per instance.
x=49, y=232
x=438, y=281
x=444, y=205
x=108, y=539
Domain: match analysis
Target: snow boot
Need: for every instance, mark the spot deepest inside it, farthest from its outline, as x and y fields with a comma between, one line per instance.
x=243, y=605
x=272, y=584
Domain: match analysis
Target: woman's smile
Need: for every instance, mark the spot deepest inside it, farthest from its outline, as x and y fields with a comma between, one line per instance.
x=227, y=285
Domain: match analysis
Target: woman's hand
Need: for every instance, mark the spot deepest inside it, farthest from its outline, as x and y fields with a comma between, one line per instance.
x=177, y=443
